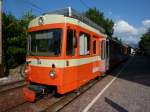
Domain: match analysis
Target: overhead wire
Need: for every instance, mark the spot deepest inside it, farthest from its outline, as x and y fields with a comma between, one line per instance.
x=36, y=7
x=83, y=3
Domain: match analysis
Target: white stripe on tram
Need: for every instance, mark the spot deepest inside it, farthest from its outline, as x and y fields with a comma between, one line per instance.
x=62, y=63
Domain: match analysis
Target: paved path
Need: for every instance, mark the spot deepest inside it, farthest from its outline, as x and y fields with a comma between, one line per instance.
x=128, y=92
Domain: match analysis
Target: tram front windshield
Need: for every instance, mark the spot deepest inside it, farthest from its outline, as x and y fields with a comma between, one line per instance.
x=46, y=42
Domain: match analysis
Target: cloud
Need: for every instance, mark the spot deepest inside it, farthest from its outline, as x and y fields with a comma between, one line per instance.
x=146, y=23
x=128, y=33
x=124, y=27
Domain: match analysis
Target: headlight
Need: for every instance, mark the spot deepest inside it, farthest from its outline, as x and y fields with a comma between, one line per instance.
x=41, y=20
x=52, y=74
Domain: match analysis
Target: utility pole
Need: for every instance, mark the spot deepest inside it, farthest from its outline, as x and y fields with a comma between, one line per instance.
x=1, y=66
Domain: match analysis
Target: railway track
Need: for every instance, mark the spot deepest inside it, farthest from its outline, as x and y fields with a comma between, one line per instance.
x=12, y=85
x=53, y=104
x=68, y=98
x=11, y=91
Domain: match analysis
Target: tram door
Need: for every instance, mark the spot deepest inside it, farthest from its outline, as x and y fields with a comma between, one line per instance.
x=107, y=54
x=104, y=55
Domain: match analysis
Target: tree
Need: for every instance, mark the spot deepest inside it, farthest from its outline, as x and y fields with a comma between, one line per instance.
x=14, y=34
x=98, y=17
x=144, y=43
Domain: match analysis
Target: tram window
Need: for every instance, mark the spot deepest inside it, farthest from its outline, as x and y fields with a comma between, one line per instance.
x=46, y=42
x=84, y=44
x=70, y=50
x=94, y=47
x=103, y=49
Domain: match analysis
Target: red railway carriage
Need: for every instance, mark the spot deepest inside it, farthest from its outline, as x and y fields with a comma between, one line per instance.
x=118, y=52
x=65, y=51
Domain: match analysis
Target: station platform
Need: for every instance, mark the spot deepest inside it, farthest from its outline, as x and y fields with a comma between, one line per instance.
x=127, y=89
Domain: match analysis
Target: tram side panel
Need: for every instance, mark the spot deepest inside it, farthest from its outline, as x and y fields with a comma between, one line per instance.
x=89, y=62
x=84, y=65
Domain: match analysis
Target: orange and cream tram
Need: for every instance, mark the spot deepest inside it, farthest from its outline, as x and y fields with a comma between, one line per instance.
x=65, y=51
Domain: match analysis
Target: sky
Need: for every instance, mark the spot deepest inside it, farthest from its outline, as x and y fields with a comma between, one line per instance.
x=131, y=17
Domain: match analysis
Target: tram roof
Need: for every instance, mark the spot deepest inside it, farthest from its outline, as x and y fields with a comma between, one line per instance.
x=70, y=12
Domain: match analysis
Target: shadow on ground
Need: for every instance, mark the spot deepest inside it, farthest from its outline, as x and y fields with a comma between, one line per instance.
x=138, y=70
x=115, y=105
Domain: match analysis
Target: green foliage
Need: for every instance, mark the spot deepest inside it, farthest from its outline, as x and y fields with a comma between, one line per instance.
x=98, y=17
x=144, y=43
x=14, y=32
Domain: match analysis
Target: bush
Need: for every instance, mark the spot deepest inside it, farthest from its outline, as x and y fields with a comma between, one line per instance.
x=14, y=32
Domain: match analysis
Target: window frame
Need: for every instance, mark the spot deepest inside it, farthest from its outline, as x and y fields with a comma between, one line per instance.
x=74, y=34
x=96, y=42
x=103, y=48
x=30, y=52
x=88, y=43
